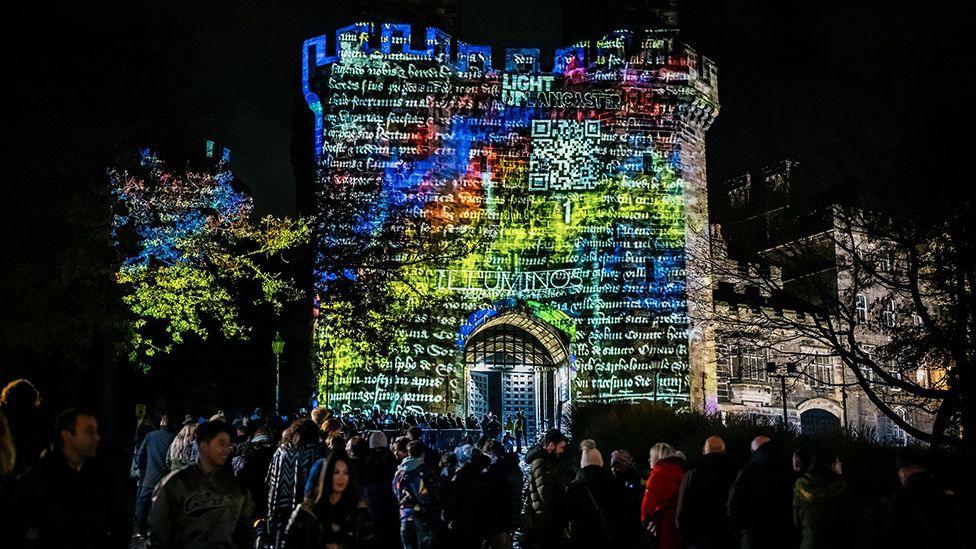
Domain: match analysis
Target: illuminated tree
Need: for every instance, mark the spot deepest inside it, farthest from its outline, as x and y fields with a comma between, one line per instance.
x=890, y=295
x=189, y=250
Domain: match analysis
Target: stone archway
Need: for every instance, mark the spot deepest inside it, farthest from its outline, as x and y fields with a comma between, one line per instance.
x=517, y=362
x=818, y=416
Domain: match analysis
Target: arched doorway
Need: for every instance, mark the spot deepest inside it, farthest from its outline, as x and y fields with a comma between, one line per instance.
x=816, y=421
x=516, y=362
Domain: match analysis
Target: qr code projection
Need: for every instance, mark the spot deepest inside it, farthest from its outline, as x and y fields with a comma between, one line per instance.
x=563, y=155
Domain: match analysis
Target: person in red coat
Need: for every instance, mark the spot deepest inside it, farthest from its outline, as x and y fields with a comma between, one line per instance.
x=661, y=495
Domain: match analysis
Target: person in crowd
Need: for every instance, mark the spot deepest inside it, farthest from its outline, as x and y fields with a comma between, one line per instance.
x=760, y=500
x=465, y=499
x=331, y=514
x=416, y=487
x=659, y=507
x=152, y=459
x=629, y=488
x=416, y=433
x=594, y=506
x=202, y=505
x=8, y=454
x=356, y=448
x=521, y=431
x=241, y=435
x=509, y=425
x=330, y=429
x=251, y=465
x=289, y=471
x=701, y=517
x=494, y=427
x=66, y=499
x=920, y=513
x=378, y=470
x=821, y=504
x=400, y=449
x=546, y=506
x=183, y=450
x=801, y=459
x=144, y=426
x=320, y=415
x=505, y=479
x=20, y=401
x=8, y=457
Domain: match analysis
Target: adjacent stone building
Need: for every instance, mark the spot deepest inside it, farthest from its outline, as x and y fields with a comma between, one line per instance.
x=766, y=347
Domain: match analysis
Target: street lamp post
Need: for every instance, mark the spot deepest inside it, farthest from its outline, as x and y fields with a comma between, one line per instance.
x=771, y=369
x=277, y=346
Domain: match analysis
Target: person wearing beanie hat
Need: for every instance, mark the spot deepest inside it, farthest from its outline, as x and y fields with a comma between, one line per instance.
x=377, y=439
x=589, y=455
x=594, y=508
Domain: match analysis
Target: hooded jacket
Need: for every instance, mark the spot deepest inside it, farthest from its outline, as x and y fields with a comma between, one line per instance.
x=416, y=488
x=822, y=511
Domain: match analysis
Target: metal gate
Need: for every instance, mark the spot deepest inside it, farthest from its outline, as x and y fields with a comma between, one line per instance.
x=510, y=370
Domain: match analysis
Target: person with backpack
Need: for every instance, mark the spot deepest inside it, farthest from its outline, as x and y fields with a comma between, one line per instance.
x=416, y=486
x=594, y=505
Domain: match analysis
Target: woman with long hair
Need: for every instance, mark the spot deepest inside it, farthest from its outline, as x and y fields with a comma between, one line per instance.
x=332, y=516
x=8, y=453
x=288, y=473
x=661, y=494
x=183, y=450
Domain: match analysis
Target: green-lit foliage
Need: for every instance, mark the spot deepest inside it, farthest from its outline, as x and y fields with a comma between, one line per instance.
x=188, y=249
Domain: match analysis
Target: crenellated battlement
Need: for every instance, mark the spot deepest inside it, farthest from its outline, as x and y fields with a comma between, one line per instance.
x=626, y=50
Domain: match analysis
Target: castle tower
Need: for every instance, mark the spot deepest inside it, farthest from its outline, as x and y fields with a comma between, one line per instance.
x=581, y=178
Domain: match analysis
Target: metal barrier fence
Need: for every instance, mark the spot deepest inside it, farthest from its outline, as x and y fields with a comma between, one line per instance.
x=440, y=440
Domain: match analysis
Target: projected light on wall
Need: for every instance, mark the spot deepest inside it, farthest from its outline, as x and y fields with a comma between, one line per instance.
x=572, y=177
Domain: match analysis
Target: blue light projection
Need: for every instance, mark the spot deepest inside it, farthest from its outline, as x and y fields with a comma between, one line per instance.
x=571, y=172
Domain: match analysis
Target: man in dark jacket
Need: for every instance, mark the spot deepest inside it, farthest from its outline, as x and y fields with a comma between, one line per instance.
x=760, y=501
x=546, y=513
x=465, y=497
x=630, y=490
x=702, y=518
x=202, y=505
x=66, y=499
x=251, y=467
x=505, y=480
x=920, y=514
x=152, y=460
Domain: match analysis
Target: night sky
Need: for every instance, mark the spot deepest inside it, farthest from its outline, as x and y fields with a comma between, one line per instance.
x=792, y=79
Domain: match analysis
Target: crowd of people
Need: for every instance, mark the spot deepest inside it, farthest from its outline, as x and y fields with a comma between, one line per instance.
x=373, y=479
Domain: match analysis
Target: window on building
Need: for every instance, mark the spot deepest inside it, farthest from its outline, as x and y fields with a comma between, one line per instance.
x=888, y=314
x=886, y=261
x=861, y=307
x=916, y=320
x=895, y=370
x=820, y=372
x=866, y=369
x=751, y=365
x=922, y=376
